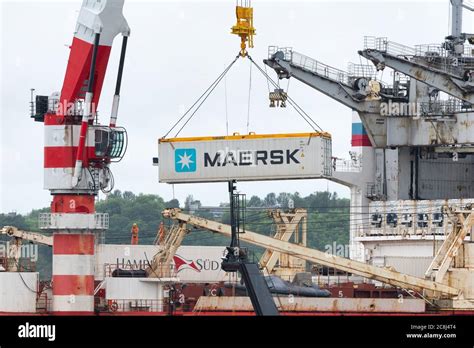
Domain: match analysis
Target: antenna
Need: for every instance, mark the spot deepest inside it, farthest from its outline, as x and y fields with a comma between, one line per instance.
x=32, y=102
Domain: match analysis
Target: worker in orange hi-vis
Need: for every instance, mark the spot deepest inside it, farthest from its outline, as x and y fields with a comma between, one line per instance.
x=135, y=234
x=161, y=234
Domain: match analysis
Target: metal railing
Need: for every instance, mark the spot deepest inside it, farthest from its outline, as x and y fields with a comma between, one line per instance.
x=146, y=305
x=444, y=107
x=46, y=221
x=433, y=54
x=362, y=70
x=430, y=50
x=469, y=50
x=287, y=52
x=102, y=220
x=310, y=64
x=382, y=44
x=346, y=166
x=322, y=69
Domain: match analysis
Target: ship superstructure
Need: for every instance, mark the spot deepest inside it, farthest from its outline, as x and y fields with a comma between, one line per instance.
x=412, y=155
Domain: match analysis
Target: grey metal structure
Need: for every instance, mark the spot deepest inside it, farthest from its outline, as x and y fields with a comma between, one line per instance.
x=420, y=125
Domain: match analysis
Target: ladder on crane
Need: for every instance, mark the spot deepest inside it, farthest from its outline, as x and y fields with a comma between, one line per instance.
x=161, y=264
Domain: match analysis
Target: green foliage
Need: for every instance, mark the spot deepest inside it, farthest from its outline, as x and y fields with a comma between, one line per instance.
x=255, y=201
x=174, y=203
x=126, y=209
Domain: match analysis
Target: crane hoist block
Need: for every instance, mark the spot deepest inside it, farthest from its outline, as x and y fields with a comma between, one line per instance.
x=244, y=24
x=244, y=27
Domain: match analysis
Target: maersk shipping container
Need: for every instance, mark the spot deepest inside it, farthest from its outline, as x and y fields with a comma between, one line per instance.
x=245, y=158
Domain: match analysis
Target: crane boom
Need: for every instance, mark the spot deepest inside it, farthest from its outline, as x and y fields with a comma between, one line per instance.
x=456, y=85
x=27, y=235
x=365, y=270
x=18, y=236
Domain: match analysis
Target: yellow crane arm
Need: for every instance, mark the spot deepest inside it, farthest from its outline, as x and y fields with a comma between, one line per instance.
x=26, y=235
x=384, y=275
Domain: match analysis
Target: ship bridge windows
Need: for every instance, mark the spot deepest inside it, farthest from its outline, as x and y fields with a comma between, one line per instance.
x=392, y=219
x=406, y=220
x=437, y=219
x=422, y=220
x=376, y=220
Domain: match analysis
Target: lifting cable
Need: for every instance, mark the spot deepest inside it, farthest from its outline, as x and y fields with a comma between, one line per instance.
x=226, y=108
x=201, y=99
x=248, y=105
x=216, y=82
x=298, y=109
x=268, y=82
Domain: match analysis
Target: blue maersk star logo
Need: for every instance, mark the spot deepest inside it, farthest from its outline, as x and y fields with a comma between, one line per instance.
x=185, y=160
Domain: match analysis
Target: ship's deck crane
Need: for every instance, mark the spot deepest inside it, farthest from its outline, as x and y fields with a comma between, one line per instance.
x=19, y=236
x=448, y=67
x=356, y=91
x=161, y=264
x=288, y=225
x=78, y=150
x=433, y=70
x=368, y=271
x=359, y=90
x=27, y=235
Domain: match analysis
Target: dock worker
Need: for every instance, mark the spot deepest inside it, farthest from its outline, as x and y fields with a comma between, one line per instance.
x=134, y=231
x=161, y=234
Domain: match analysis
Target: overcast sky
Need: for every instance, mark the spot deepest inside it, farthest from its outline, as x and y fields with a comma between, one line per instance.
x=176, y=50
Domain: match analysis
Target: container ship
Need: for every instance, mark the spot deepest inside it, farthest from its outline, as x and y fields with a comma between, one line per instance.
x=409, y=175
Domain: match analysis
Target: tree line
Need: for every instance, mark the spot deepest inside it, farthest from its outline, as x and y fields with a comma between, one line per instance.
x=328, y=219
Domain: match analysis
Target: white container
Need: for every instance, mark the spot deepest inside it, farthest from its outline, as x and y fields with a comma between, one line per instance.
x=245, y=158
x=18, y=292
x=130, y=293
